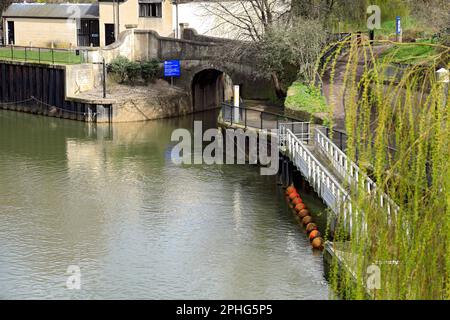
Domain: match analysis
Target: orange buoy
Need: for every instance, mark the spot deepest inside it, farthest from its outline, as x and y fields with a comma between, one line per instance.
x=290, y=190
x=303, y=213
x=296, y=201
x=317, y=243
x=294, y=195
x=300, y=207
x=306, y=220
x=314, y=234
x=310, y=227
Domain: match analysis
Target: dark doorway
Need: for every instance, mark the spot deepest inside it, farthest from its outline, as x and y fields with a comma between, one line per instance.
x=88, y=33
x=11, y=37
x=109, y=33
x=209, y=89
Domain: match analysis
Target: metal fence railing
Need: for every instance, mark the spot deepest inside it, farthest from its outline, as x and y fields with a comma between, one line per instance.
x=302, y=130
x=251, y=117
x=324, y=183
x=260, y=119
x=297, y=137
x=42, y=55
x=257, y=118
x=338, y=137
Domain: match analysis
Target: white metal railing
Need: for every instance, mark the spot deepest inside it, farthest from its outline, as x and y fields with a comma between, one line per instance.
x=351, y=172
x=323, y=182
x=301, y=130
x=299, y=146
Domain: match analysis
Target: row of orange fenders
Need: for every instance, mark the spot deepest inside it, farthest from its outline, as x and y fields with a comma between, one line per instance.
x=296, y=203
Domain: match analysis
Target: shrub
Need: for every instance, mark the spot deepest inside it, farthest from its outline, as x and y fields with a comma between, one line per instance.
x=133, y=70
x=125, y=70
x=118, y=66
x=444, y=37
x=129, y=71
x=149, y=69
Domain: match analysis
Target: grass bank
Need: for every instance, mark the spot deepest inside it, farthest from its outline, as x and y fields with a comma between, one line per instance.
x=411, y=53
x=304, y=98
x=42, y=55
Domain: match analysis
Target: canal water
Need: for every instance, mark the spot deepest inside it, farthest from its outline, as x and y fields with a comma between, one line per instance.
x=109, y=200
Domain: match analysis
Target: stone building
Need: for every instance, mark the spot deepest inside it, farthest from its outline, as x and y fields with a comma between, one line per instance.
x=76, y=25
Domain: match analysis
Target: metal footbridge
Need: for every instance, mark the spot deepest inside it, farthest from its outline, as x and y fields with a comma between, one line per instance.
x=320, y=160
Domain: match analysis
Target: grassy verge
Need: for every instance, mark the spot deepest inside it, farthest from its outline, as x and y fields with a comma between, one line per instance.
x=305, y=98
x=409, y=25
x=42, y=55
x=413, y=53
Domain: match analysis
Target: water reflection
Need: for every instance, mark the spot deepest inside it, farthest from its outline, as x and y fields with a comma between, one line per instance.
x=108, y=199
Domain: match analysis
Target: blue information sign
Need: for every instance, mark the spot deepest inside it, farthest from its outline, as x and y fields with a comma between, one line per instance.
x=398, y=25
x=172, y=68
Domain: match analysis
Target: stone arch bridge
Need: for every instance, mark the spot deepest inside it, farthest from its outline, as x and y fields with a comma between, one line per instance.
x=206, y=73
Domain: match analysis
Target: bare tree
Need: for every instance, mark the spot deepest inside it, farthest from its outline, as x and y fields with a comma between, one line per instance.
x=247, y=19
x=290, y=52
x=313, y=9
x=249, y=22
x=272, y=35
x=435, y=13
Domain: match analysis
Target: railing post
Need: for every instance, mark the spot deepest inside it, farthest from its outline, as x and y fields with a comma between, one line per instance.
x=39, y=55
x=261, y=117
x=236, y=102
x=232, y=115
x=53, y=56
x=245, y=111
x=12, y=52
x=308, y=130
x=25, y=54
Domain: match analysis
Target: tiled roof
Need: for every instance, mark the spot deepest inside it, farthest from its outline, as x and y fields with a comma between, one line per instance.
x=52, y=10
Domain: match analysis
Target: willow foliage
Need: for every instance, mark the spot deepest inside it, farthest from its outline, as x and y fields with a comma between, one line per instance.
x=398, y=126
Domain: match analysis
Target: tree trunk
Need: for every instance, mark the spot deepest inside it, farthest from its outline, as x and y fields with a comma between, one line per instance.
x=281, y=94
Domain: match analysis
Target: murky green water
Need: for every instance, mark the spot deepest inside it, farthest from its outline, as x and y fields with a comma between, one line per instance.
x=109, y=200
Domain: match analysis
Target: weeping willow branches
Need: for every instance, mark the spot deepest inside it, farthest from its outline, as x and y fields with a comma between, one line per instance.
x=398, y=123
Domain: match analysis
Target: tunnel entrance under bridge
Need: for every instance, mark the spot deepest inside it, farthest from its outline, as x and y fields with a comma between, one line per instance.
x=210, y=87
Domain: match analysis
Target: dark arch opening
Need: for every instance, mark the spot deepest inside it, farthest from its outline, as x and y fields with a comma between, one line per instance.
x=210, y=87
